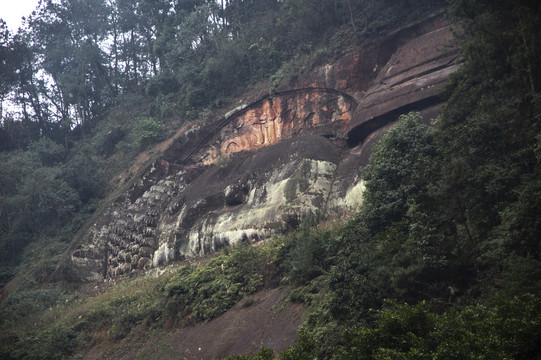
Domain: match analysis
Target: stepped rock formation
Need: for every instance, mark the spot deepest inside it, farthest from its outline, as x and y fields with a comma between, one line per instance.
x=264, y=166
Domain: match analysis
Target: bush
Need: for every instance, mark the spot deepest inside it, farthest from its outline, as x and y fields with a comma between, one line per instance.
x=306, y=348
x=263, y=354
x=308, y=256
x=509, y=329
x=57, y=343
x=147, y=131
x=208, y=291
x=29, y=302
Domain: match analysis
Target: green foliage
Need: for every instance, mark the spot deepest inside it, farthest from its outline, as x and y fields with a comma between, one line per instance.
x=121, y=315
x=10, y=63
x=24, y=303
x=400, y=168
x=46, y=194
x=306, y=348
x=489, y=134
x=83, y=173
x=56, y=343
x=511, y=328
x=507, y=328
x=263, y=354
x=203, y=293
x=389, y=250
x=355, y=282
x=46, y=198
x=308, y=255
x=450, y=215
x=146, y=131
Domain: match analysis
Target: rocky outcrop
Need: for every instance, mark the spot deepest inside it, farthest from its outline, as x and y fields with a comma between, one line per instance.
x=265, y=165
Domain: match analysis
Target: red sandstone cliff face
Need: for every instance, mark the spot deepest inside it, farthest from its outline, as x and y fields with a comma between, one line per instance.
x=320, y=111
x=267, y=164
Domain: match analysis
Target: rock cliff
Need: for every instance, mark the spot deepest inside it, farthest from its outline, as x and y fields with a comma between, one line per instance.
x=265, y=165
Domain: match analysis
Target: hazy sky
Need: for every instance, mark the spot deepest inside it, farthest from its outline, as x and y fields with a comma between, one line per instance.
x=13, y=10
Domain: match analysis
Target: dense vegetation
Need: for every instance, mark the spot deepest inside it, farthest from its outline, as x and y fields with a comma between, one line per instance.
x=442, y=260
x=451, y=217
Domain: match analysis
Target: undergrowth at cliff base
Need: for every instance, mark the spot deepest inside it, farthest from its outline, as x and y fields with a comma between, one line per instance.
x=50, y=324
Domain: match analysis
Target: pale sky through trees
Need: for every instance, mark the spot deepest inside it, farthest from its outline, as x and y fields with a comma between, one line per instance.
x=13, y=10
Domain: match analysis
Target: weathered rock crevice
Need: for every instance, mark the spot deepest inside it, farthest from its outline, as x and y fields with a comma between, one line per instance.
x=359, y=134
x=266, y=165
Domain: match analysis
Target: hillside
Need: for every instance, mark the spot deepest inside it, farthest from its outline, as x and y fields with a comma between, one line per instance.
x=268, y=164
x=363, y=185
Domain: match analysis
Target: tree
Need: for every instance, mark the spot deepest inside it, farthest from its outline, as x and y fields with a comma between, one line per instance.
x=489, y=132
x=399, y=171
x=67, y=38
x=9, y=64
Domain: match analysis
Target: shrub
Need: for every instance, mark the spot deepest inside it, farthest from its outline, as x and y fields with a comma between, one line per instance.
x=206, y=292
x=57, y=343
x=306, y=348
x=308, y=256
x=509, y=329
x=26, y=303
x=263, y=354
x=147, y=131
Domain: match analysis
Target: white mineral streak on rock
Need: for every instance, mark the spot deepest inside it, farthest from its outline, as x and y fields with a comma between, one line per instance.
x=238, y=108
x=352, y=200
x=354, y=196
x=163, y=255
x=265, y=206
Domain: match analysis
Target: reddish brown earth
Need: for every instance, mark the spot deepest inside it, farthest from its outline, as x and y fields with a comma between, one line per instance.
x=262, y=320
x=265, y=319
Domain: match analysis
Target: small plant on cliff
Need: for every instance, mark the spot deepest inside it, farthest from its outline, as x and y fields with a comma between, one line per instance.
x=206, y=292
x=147, y=131
x=340, y=135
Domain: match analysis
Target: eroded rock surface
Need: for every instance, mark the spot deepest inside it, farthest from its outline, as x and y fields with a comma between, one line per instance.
x=265, y=165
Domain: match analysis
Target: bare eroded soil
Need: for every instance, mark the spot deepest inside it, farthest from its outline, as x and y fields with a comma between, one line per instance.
x=265, y=319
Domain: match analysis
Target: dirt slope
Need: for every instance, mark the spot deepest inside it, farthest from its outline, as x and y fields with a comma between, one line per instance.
x=265, y=319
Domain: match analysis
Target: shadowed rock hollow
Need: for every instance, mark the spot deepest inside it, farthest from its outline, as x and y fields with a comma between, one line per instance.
x=267, y=164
